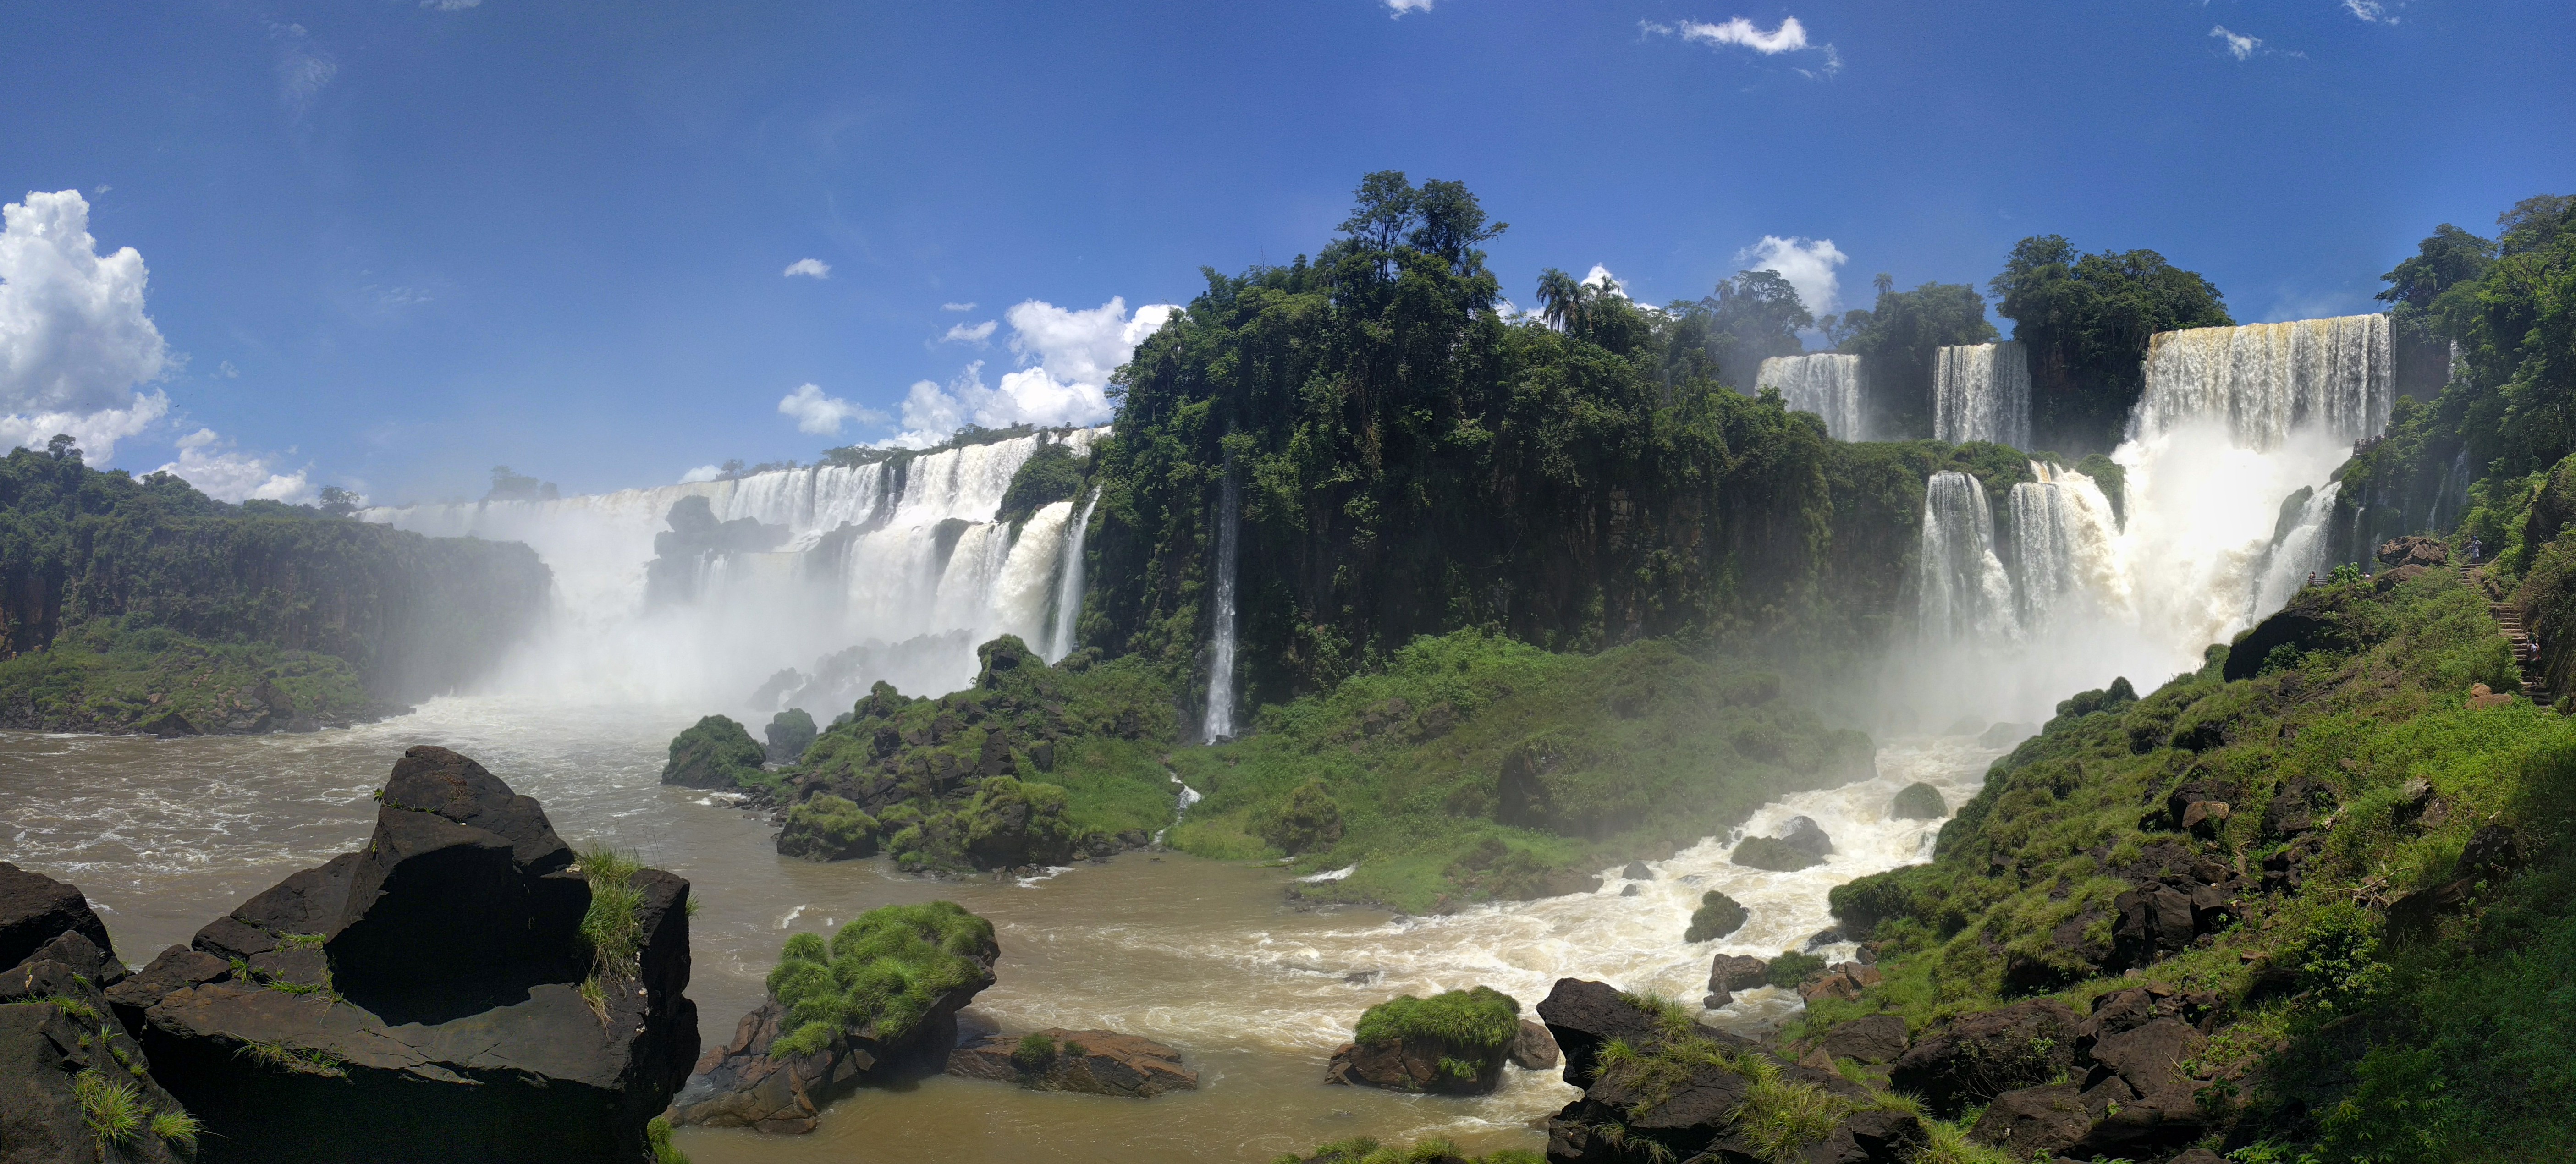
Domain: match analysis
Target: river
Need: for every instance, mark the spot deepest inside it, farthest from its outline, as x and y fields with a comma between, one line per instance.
x=1207, y=956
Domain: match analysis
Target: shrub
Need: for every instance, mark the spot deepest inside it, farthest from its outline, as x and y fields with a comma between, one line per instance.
x=1792, y=968
x=1778, y=1117
x=657, y=1137
x=610, y=928
x=1484, y=1020
x=880, y=975
x=716, y=753
x=1718, y=916
x=1014, y=822
x=1310, y=821
x=1036, y=1052
x=177, y=1128
x=827, y=828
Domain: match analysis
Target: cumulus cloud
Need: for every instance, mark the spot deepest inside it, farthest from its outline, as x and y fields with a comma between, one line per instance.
x=1600, y=276
x=809, y=268
x=1083, y=347
x=957, y=307
x=1808, y=265
x=1397, y=8
x=210, y=463
x=75, y=345
x=303, y=67
x=2237, y=45
x=823, y=415
x=450, y=5
x=1789, y=37
x=974, y=334
x=703, y=473
x=1065, y=358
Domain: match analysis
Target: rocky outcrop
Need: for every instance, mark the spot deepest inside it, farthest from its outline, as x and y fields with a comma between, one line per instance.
x=1534, y=1049
x=36, y=909
x=1093, y=1062
x=2114, y=1084
x=1917, y=801
x=1683, y=1091
x=775, y=1076
x=1717, y=916
x=827, y=828
x=1454, y=1043
x=75, y=1088
x=714, y=753
x=1733, y=972
x=1980, y=1056
x=1877, y=1039
x=431, y=996
x=1801, y=844
x=790, y=732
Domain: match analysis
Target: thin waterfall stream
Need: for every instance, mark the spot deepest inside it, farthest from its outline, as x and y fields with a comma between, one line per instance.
x=1220, y=698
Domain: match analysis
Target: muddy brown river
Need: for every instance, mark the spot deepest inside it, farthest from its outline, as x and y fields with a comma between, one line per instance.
x=1206, y=956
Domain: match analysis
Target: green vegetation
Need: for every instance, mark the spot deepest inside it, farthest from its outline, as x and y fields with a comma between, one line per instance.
x=2085, y=320
x=1792, y=968
x=611, y=927
x=299, y=1060
x=1032, y=764
x=1051, y=474
x=879, y=976
x=112, y=1109
x=1482, y=1020
x=1717, y=916
x=790, y=732
x=78, y=1010
x=1918, y=801
x=717, y=753
x=1898, y=339
x=1477, y=768
x=2390, y=977
x=827, y=828
x=125, y=599
x=177, y=1129
x=1362, y=1150
x=657, y=1139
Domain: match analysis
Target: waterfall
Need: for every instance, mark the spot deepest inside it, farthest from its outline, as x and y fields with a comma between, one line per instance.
x=901, y=555
x=2064, y=555
x=1981, y=392
x=2266, y=380
x=2298, y=550
x=1966, y=595
x=1069, y=584
x=1825, y=384
x=1229, y=521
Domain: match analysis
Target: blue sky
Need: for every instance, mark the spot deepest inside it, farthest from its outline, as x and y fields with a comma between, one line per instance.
x=392, y=243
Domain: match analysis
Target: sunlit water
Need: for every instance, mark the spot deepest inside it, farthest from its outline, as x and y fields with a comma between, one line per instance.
x=1206, y=956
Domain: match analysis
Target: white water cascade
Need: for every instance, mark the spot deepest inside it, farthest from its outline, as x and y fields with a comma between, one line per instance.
x=1068, y=587
x=1229, y=520
x=2225, y=494
x=1824, y=383
x=892, y=570
x=1981, y=392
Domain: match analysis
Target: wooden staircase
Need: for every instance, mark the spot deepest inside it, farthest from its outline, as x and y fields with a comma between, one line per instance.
x=2535, y=680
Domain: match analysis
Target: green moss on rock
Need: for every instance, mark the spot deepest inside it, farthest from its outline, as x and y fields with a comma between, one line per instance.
x=1481, y=1020
x=1918, y=801
x=827, y=828
x=881, y=977
x=716, y=753
x=1717, y=916
x=1011, y=822
x=1309, y=821
x=1773, y=854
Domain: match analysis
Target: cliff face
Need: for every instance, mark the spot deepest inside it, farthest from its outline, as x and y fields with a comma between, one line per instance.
x=409, y=615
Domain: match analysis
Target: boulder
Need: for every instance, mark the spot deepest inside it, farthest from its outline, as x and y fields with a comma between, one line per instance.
x=1843, y=980
x=1453, y=1043
x=429, y=997
x=1534, y=1049
x=36, y=909
x=1805, y=836
x=1637, y=871
x=776, y=1075
x=827, y=828
x=1093, y=1062
x=1718, y=915
x=58, y=1047
x=1982, y=1055
x=1737, y=972
x=1772, y=854
x=2034, y=1121
x=1009, y=824
x=1879, y=1038
x=716, y=753
x=790, y=732
x=2413, y=551
x=1918, y=801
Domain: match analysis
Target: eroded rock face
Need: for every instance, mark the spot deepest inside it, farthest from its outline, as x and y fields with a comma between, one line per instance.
x=1094, y=1062
x=36, y=909
x=2115, y=1084
x=1982, y=1055
x=1417, y=1065
x=422, y=999
x=1534, y=1049
x=54, y=1030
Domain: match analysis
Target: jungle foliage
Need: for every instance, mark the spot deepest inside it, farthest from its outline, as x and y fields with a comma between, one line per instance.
x=2085, y=320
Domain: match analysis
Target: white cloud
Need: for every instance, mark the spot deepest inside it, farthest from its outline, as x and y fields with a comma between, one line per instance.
x=1789, y=37
x=2370, y=11
x=2238, y=45
x=1065, y=359
x=702, y=473
x=823, y=415
x=227, y=370
x=303, y=68
x=450, y=5
x=210, y=463
x=809, y=268
x=1600, y=276
x=974, y=334
x=1083, y=347
x=1808, y=265
x=957, y=307
x=1397, y=8
x=75, y=344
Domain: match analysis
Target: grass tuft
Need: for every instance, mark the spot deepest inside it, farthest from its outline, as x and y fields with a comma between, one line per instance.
x=300, y=1061
x=657, y=1137
x=879, y=976
x=111, y=1108
x=1482, y=1019
x=177, y=1128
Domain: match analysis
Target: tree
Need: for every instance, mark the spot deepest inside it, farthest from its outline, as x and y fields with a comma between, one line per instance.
x=63, y=448
x=1752, y=317
x=1898, y=340
x=2451, y=257
x=2086, y=320
x=338, y=502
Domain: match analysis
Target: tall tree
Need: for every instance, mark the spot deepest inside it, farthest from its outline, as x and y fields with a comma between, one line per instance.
x=1752, y=317
x=2086, y=320
x=1899, y=338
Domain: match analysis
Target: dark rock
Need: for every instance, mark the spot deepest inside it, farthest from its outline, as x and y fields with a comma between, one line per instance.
x=827, y=828
x=1805, y=836
x=1718, y=915
x=1093, y=1062
x=1717, y=998
x=422, y=1000
x=168, y=725
x=1534, y=1049
x=2034, y=1121
x=1842, y=980
x=73, y=949
x=36, y=909
x=2153, y=922
x=2144, y=1102
x=1419, y=1065
x=1585, y=1016
x=714, y=753
x=2392, y=579
x=54, y=1031
x=2413, y=551
x=2124, y=1010
x=1918, y=801
x=1879, y=1038
x=1982, y=1055
x=2196, y=791
x=1737, y=972
x=2296, y=807
x=790, y=732
x=1772, y=854
x=1628, y=891
x=1637, y=871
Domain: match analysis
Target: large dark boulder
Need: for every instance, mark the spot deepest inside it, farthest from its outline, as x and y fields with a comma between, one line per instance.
x=1453, y=1043
x=790, y=732
x=57, y=1042
x=1717, y=916
x=1092, y=1062
x=36, y=909
x=717, y=753
x=1980, y=1056
x=430, y=997
x=1918, y=801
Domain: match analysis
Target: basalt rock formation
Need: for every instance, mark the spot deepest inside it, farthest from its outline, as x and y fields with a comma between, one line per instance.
x=461, y=988
x=1094, y=1062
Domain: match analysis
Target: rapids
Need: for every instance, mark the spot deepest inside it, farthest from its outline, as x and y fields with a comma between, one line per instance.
x=1206, y=956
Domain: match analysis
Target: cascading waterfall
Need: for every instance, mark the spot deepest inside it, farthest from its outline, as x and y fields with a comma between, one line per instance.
x=1825, y=383
x=1981, y=392
x=2267, y=380
x=2063, y=552
x=1229, y=521
x=1069, y=582
x=1966, y=595
x=901, y=555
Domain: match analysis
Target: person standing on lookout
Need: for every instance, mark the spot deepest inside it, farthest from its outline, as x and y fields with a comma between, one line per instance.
x=2473, y=548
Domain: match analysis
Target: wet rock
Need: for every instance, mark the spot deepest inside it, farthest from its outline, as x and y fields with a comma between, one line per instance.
x=1918, y=801
x=36, y=909
x=1879, y=1038
x=1718, y=915
x=1773, y=855
x=423, y=999
x=714, y=753
x=1092, y=1062
x=168, y=725
x=1637, y=871
x=1980, y=1056
x=1628, y=891
x=1534, y=1049
x=790, y=732
x=1737, y=972
x=1805, y=836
